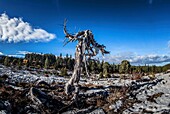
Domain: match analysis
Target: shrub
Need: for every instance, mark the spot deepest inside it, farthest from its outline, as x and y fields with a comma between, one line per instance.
x=100, y=75
x=63, y=72
x=106, y=75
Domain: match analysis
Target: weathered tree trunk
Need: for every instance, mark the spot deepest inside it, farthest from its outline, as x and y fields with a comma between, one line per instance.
x=87, y=47
x=72, y=84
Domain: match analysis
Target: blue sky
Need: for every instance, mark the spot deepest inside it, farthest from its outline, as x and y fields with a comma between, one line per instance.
x=136, y=30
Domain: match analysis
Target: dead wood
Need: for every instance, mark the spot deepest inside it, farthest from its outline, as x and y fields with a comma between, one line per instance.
x=86, y=47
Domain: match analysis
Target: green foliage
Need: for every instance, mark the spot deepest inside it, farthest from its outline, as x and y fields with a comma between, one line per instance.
x=166, y=67
x=125, y=66
x=70, y=64
x=94, y=66
x=113, y=66
x=6, y=61
x=56, y=65
x=101, y=75
x=106, y=75
x=99, y=67
x=39, y=59
x=148, y=69
x=47, y=63
x=106, y=67
x=14, y=62
x=19, y=64
x=63, y=72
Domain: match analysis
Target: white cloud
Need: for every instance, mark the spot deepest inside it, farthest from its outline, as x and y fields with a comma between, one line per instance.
x=151, y=59
x=1, y=53
x=16, y=30
x=22, y=52
x=15, y=55
x=137, y=59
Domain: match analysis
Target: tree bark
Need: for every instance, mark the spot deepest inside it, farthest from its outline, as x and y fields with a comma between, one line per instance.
x=72, y=85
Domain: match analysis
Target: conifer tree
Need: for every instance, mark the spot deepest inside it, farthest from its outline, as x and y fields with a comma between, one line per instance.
x=46, y=66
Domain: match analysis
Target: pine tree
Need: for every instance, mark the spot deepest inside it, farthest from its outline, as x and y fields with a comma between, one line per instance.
x=14, y=62
x=101, y=75
x=106, y=70
x=19, y=64
x=46, y=66
x=114, y=68
x=60, y=55
x=125, y=66
x=67, y=56
x=70, y=56
x=6, y=61
x=56, y=65
x=93, y=67
x=99, y=67
x=69, y=64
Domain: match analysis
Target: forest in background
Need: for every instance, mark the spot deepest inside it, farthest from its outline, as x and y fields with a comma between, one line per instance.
x=66, y=63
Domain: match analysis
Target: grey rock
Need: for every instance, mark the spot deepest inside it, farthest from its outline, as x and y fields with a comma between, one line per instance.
x=116, y=106
x=3, y=112
x=98, y=111
x=70, y=112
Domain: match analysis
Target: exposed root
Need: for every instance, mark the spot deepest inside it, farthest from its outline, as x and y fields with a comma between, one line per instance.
x=34, y=99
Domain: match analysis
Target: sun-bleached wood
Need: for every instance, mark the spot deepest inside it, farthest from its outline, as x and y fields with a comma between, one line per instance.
x=86, y=47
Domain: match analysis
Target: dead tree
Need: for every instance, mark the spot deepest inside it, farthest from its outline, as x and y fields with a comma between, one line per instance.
x=86, y=47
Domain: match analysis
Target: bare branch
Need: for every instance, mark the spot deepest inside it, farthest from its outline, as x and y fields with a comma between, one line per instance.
x=65, y=31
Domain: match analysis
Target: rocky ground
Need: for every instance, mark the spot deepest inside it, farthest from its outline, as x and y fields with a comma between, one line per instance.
x=23, y=91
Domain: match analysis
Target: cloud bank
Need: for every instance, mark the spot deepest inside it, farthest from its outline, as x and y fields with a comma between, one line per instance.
x=16, y=30
x=1, y=53
x=137, y=59
x=23, y=52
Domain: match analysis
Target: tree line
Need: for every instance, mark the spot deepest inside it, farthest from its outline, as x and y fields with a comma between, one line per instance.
x=104, y=69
